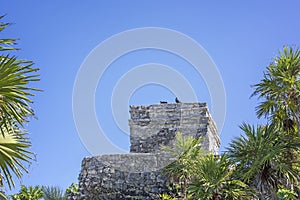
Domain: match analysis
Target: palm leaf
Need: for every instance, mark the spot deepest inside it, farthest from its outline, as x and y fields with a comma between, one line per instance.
x=214, y=180
x=13, y=153
x=280, y=88
x=15, y=75
x=29, y=193
x=7, y=43
x=53, y=193
x=264, y=157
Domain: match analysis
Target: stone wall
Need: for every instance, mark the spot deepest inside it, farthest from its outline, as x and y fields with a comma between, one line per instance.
x=156, y=125
x=124, y=176
x=138, y=175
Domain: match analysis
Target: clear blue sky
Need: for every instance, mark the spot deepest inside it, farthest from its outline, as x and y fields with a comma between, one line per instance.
x=241, y=38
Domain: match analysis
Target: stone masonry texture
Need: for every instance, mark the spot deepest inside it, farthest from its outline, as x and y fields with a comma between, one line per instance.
x=138, y=174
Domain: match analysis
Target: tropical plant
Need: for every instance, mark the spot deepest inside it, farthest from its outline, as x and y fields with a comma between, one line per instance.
x=72, y=189
x=213, y=180
x=166, y=197
x=15, y=78
x=186, y=152
x=280, y=89
x=6, y=43
x=285, y=194
x=29, y=193
x=53, y=193
x=13, y=150
x=15, y=75
x=264, y=158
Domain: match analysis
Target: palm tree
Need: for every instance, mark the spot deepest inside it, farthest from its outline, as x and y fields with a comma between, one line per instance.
x=200, y=176
x=15, y=76
x=280, y=89
x=264, y=158
x=29, y=193
x=14, y=111
x=186, y=152
x=213, y=179
x=53, y=193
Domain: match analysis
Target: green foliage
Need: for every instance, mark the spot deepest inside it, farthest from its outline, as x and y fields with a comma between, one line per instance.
x=286, y=194
x=72, y=189
x=184, y=146
x=29, y=193
x=213, y=180
x=186, y=152
x=198, y=176
x=264, y=158
x=53, y=193
x=3, y=196
x=166, y=197
x=280, y=89
x=260, y=161
x=15, y=75
x=6, y=43
x=13, y=150
x=15, y=92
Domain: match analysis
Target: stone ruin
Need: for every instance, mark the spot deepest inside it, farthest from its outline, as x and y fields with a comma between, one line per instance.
x=138, y=174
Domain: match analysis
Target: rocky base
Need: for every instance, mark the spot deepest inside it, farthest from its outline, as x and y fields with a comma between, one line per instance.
x=124, y=176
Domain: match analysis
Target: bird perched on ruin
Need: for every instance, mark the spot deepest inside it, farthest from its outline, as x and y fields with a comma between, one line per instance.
x=177, y=100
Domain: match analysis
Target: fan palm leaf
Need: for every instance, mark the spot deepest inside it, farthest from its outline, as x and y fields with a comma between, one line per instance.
x=29, y=193
x=53, y=193
x=280, y=89
x=13, y=154
x=213, y=180
x=265, y=158
x=15, y=75
x=186, y=151
x=6, y=44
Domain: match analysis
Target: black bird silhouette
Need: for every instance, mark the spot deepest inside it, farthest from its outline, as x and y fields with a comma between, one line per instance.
x=177, y=100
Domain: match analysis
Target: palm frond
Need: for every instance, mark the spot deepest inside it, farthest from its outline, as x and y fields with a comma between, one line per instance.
x=15, y=75
x=262, y=157
x=29, y=193
x=279, y=89
x=7, y=43
x=14, y=152
x=214, y=180
x=53, y=193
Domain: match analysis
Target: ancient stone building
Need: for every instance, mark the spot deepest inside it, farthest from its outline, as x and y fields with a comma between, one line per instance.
x=138, y=174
